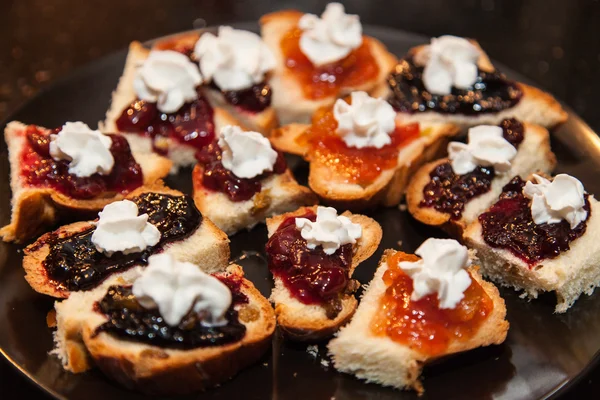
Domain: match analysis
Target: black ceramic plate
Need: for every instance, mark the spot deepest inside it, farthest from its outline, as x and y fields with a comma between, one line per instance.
x=543, y=353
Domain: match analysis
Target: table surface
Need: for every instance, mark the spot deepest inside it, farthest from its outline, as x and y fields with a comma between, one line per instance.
x=553, y=42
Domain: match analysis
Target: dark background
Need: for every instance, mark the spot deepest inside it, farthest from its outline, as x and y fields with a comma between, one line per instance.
x=555, y=43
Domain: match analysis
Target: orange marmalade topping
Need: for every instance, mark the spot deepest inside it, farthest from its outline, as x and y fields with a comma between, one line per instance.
x=361, y=166
x=327, y=80
x=422, y=325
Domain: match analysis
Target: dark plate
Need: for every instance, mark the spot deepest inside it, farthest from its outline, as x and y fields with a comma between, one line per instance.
x=543, y=353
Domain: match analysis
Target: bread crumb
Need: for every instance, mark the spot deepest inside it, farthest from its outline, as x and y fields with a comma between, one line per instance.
x=295, y=374
x=399, y=243
x=265, y=364
x=402, y=207
x=313, y=350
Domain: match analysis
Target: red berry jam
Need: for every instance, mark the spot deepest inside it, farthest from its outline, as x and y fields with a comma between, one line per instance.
x=448, y=192
x=508, y=224
x=192, y=125
x=211, y=174
x=490, y=93
x=311, y=276
x=39, y=169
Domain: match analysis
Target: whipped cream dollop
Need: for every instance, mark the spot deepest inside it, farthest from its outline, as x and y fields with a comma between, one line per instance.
x=245, y=153
x=235, y=59
x=176, y=288
x=367, y=122
x=88, y=150
x=120, y=228
x=553, y=201
x=486, y=147
x=167, y=78
x=330, y=38
x=441, y=270
x=330, y=231
x=449, y=61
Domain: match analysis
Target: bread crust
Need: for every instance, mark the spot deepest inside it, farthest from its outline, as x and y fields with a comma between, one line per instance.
x=301, y=322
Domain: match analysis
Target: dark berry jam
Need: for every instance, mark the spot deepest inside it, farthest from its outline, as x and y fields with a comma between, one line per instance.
x=128, y=320
x=311, y=276
x=448, y=193
x=39, y=169
x=214, y=176
x=192, y=125
x=490, y=93
x=253, y=99
x=508, y=224
x=73, y=263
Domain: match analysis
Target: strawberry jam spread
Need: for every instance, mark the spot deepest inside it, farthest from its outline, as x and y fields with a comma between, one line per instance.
x=491, y=93
x=422, y=325
x=311, y=276
x=74, y=263
x=128, y=320
x=324, y=81
x=350, y=164
x=211, y=174
x=39, y=169
x=448, y=192
x=508, y=224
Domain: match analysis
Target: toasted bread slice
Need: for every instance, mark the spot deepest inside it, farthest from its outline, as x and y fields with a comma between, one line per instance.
x=153, y=369
x=207, y=247
x=289, y=100
x=533, y=155
x=358, y=351
x=279, y=194
x=304, y=322
x=388, y=189
x=35, y=209
x=535, y=107
x=181, y=154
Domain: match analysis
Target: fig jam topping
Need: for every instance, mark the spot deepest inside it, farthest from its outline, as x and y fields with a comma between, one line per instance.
x=128, y=320
x=214, y=176
x=318, y=82
x=311, y=276
x=491, y=93
x=508, y=224
x=74, y=263
x=448, y=192
x=422, y=325
x=39, y=169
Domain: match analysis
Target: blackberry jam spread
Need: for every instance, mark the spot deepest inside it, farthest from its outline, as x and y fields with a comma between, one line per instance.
x=508, y=225
x=39, y=169
x=214, y=176
x=311, y=276
x=74, y=263
x=448, y=192
x=491, y=93
x=128, y=320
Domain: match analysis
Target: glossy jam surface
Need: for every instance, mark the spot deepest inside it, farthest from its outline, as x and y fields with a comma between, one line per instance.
x=508, y=225
x=491, y=93
x=318, y=82
x=73, y=263
x=311, y=276
x=128, y=320
x=39, y=169
x=192, y=125
x=422, y=325
x=214, y=176
x=350, y=164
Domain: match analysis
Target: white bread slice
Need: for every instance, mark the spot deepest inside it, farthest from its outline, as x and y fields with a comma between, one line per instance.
x=388, y=189
x=207, y=247
x=182, y=155
x=533, y=155
x=356, y=350
x=303, y=322
x=288, y=98
x=153, y=369
x=572, y=273
x=536, y=106
x=279, y=194
x=35, y=209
